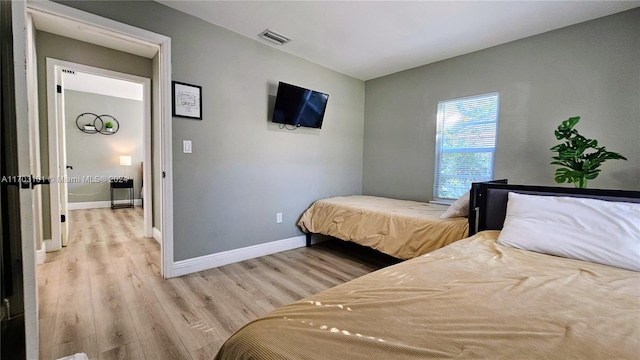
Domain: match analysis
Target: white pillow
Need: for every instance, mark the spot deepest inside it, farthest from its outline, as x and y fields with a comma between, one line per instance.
x=459, y=208
x=598, y=231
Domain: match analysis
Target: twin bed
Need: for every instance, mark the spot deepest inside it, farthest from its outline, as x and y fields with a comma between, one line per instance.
x=477, y=298
x=401, y=228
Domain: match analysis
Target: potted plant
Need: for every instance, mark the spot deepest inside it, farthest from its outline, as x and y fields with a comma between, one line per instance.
x=579, y=157
x=109, y=126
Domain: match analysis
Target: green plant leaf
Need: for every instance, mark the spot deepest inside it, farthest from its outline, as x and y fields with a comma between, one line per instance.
x=572, y=121
x=563, y=175
x=579, y=156
x=592, y=175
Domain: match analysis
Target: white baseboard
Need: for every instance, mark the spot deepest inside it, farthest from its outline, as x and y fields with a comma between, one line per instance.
x=47, y=244
x=99, y=204
x=184, y=267
x=157, y=235
x=41, y=254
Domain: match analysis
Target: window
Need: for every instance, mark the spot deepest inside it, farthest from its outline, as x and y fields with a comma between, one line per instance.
x=465, y=143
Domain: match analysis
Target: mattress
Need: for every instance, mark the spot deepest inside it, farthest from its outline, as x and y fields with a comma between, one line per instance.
x=473, y=299
x=400, y=228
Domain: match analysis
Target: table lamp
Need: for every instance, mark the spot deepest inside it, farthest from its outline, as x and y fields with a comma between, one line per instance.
x=125, y=160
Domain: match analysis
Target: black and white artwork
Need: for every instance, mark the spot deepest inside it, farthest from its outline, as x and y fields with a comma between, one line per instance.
x=187, y=100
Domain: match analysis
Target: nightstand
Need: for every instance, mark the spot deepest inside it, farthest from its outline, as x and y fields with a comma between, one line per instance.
x=121, y=183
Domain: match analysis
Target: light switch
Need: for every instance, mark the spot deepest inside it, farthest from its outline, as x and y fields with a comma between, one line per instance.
x=186, y=146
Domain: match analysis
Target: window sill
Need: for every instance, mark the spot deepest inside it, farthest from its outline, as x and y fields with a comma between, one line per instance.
x=442, y=202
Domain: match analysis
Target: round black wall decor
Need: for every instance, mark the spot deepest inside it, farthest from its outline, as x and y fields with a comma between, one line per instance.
x=91, y=123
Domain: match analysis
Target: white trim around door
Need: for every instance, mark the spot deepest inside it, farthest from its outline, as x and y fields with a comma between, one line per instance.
x=55, y=66
x=163, y=43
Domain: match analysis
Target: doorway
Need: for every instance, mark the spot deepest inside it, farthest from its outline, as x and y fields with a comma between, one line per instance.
x=94, y=28
x=114, y=35
x=96, y=98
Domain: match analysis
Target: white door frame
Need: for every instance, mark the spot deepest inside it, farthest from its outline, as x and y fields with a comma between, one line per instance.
x=57, y=172
x=54, y=69
x=23, y=88
x=34, y=138
x=122, y=31
x=131, y=33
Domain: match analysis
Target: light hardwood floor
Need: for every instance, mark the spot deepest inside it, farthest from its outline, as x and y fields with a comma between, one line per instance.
x=103, y=294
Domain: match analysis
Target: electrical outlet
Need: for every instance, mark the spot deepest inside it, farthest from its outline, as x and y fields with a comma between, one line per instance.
x=278, y=218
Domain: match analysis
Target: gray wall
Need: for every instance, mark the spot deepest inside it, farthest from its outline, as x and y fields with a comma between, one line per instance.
x=61, y=48
x=98, y=156
x=591, y=70
x=244, y=169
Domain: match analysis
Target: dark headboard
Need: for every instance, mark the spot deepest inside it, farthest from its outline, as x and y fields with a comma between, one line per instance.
x=488, y=201
x=473, y=217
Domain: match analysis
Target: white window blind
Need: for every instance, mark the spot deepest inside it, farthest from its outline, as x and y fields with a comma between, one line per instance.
x=465, y=143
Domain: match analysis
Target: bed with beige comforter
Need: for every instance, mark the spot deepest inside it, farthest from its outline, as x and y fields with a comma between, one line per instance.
x=473, y=299
x=400, y=228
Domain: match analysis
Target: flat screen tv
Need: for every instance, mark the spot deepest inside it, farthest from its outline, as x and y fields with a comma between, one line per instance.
x=299, y=106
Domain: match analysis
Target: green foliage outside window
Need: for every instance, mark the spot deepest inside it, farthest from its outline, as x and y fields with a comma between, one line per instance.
x=467, y=143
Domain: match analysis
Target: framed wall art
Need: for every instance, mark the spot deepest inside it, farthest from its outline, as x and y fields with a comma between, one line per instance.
x=187, y=100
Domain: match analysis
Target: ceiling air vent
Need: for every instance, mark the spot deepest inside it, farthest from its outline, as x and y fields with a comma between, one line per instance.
x=274, y=37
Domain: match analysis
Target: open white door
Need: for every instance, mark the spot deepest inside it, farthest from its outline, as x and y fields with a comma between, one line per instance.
x=57, y=158
x=62, y=160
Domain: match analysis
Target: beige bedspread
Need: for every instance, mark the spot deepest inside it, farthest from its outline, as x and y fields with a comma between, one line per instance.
x=401, y=228
x=473, y=299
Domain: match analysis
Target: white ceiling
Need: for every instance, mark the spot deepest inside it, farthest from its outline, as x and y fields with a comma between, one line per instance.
x=369, y=39
x=102, y=85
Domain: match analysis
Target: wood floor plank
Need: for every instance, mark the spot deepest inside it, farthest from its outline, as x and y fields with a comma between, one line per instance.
x=128, y=225
x=150, y=244
x=208, y=352
x=236, y=279
x=135, y=247
x=48, y=277
x=317, y=280
x=130, y=351
x=103, y=294
x=75, y=315
x=147, y=264
x=47, y=328
x=280, y=280
x=191, y=326
x=268, y=305
x=158, y=339
x=74, y=310
x=113, y=323
x=120, y=250
x=85, y=345
x=198, y=290
x=232, y=306
x=342, y=270
x=98, y=229
x=99, y=259
x=133, y=284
